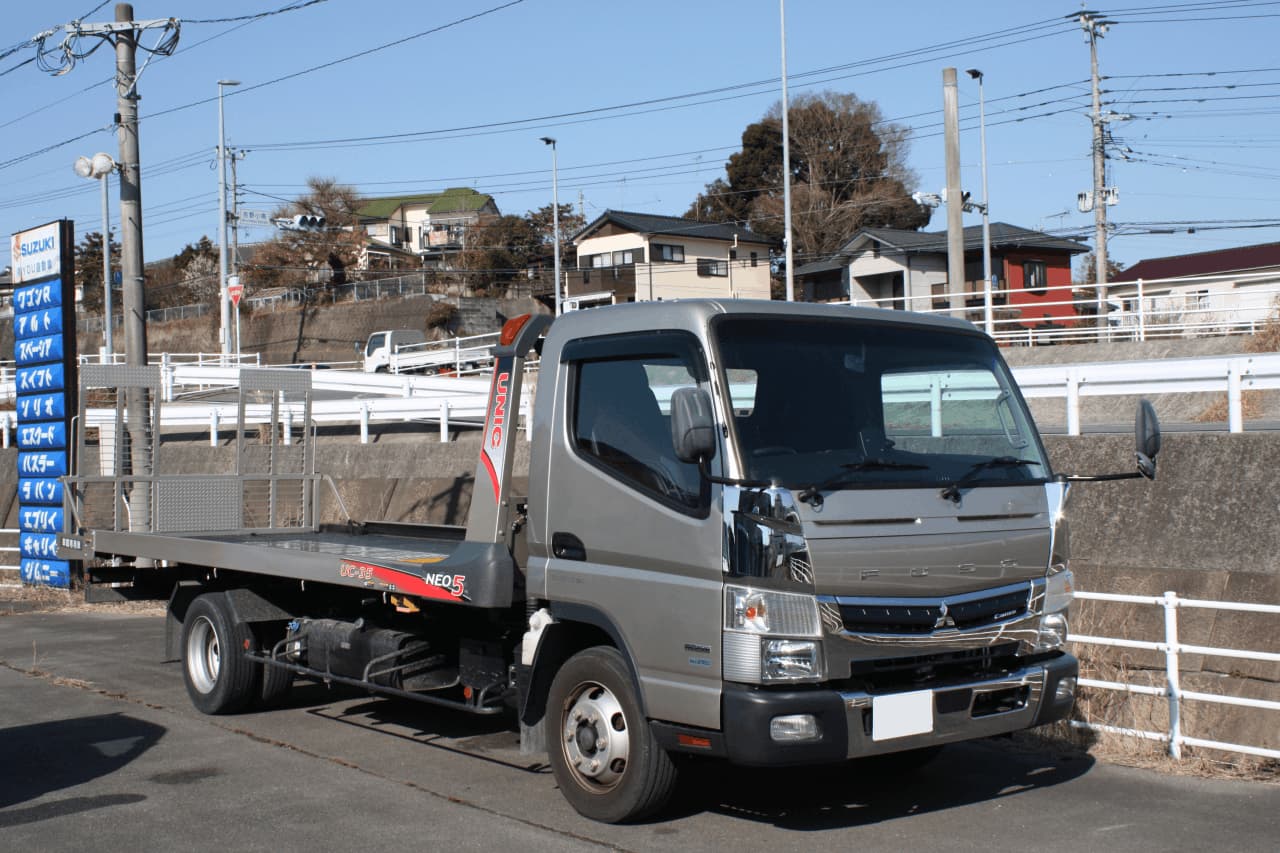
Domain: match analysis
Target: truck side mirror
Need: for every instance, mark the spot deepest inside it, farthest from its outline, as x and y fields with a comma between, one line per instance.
x=693, y=427
x=1147, y=437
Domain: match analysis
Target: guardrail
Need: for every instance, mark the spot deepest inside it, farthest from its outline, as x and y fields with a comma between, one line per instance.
x=1232, y=375
x=1172, y=690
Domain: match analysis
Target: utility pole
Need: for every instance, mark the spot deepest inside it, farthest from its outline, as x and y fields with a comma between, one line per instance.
x=224, y=301
x=955, y=197
x=135, y=320
x=236, y=156
x=124, y=33
x=786, y=158
x=1095, y=28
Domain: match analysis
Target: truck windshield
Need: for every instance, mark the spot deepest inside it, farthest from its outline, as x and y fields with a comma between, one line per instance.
x=847, y=404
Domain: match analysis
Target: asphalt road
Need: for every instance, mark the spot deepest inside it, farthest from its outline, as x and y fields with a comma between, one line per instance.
x=100, y=749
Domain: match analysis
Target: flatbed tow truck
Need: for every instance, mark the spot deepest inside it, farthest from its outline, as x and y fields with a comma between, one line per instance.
x=776, y=534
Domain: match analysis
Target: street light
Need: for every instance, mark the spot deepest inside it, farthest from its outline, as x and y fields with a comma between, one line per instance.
x=100, y=166
x=987, y=283
x=223, y=299
x=555, y=215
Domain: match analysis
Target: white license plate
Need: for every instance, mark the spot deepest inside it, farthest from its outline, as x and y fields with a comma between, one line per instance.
x=901, y=714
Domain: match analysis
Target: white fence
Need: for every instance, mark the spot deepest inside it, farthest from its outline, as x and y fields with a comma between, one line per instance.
x=1172, y=690
x=1138, y=310
x=1231, y=375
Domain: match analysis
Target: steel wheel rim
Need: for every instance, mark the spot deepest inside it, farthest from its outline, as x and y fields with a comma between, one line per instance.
x=594, y=737
x=204, y=655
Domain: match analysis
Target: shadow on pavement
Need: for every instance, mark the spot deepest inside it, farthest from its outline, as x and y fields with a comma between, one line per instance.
x=870, y=791
x=41, y=758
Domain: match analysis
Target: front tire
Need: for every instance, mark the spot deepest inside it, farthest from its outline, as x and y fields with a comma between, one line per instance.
x=604, y=756
x=219, y=678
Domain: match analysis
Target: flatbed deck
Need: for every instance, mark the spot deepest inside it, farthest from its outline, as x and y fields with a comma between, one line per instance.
x=432, y=562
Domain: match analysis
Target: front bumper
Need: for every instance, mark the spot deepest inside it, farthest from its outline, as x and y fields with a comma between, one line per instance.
x=962, y=711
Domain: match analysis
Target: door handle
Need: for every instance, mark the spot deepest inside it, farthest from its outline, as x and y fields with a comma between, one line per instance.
x=566, y=546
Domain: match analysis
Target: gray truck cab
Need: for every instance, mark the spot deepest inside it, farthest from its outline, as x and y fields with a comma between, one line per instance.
x=870, y=555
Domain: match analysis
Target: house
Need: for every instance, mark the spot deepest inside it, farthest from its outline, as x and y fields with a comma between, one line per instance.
x=1208, y=291
x=426, y=228
x=643, y=257
x=894, y=268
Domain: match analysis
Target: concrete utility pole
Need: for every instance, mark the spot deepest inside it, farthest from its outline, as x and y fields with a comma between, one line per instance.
x=224, y=301
x=786, y=158
x=234, y=198
x=131, y=270
x=135, y=319
x=1096, y=28
x=555, y=216
x=955, y=197
x=988, y=283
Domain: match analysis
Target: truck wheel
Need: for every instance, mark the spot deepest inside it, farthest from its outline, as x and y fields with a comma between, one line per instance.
x=605, y=759
x=219, y=678
x=277, y=683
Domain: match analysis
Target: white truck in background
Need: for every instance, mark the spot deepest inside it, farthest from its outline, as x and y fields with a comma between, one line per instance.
x=409, y=351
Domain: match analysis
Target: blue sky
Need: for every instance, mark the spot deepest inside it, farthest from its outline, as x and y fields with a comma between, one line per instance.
x=470, y=101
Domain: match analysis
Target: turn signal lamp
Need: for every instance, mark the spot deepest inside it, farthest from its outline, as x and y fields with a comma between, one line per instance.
x=511, y=328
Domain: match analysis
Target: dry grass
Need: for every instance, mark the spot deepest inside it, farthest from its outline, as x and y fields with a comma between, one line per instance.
x=1266, y=339
x=1251, y=406
x=43, y=599
x=1136, y=711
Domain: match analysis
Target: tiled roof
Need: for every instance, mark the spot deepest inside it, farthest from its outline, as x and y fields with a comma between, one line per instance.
x=898, y=240
x=452, y=200
x=459, y=199
x=1003, y=236
x=1205, y=263
x=675, y=226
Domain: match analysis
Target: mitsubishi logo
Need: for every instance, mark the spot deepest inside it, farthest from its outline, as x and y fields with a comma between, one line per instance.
x=944, y=618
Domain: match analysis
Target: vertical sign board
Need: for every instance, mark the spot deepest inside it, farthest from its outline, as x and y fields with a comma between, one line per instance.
x=44, y=347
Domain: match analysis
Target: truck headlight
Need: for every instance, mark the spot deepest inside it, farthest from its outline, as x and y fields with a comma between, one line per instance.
x=771, y=637
x=1059, y=589
x=789, y=660
x=1053, y=632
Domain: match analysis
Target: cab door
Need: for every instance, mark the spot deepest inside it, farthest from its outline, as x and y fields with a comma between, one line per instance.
x=635, y=538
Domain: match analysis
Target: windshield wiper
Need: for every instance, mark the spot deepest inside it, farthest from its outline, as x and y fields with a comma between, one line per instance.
x=812, y=494
x=952, y=492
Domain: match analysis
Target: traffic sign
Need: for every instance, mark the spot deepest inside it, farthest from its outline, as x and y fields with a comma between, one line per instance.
x=249, y=216
x=235, y=289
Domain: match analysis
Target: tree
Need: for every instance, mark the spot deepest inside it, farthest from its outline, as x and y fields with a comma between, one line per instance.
x=189, y=277
x=498, y=248
x=848, y=171
x=309, y=259
x=571, y=223
x=1085, y=281
x=88, y=265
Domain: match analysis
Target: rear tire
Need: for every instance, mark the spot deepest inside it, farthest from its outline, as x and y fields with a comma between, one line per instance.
x=219, y=678
x=602, y=751
x=277, y=682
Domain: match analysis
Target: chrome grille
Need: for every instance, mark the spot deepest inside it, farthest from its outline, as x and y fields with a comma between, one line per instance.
x=924, y=616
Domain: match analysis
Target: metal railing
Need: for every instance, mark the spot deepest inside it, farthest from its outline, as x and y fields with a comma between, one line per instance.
x=1172, y=690
x=1232, y=375
x=1139, y=310
x=11, y=549
x=361, y=399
